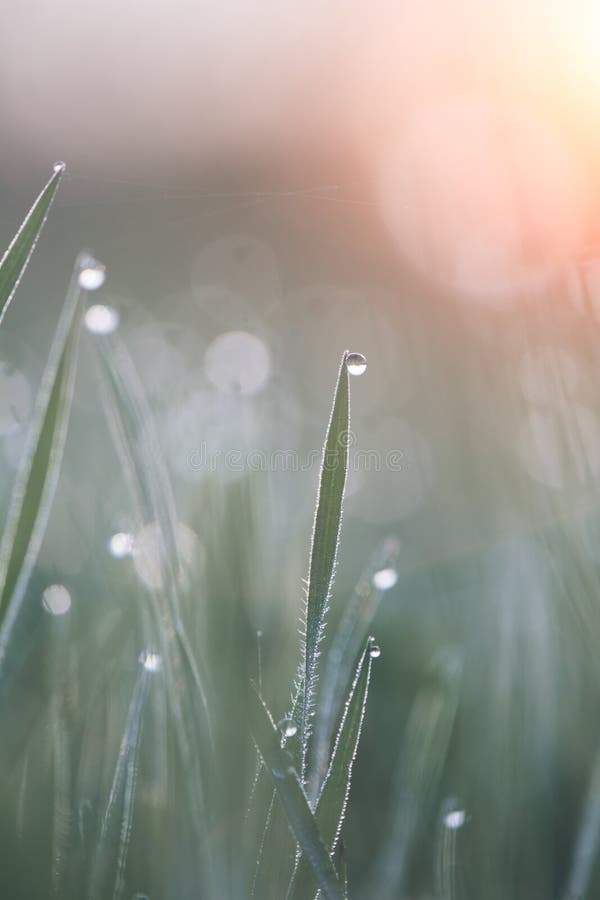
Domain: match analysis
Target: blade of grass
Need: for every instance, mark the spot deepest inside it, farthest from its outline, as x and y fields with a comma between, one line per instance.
x=62, y=818
x=115, y=832
x=39, y=469
x=445, y=853
x=349, y=636
x=137, y=444
x=587, y=842
x=324, y=544
x=17, y=256
x=323, y=553
x=340, y=859
x=333, y=799
x=422, y=758
x=299, y=814
x=138, y=447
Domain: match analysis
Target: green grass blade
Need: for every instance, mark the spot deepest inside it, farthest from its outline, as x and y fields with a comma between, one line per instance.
x=340, y=859
x=323, y=553
x=299, y=814
x=113, y=843
x=39, y=469
x=422, y=758
x=347, y=641
x=585, y=851
x=15, y=260
x=62, y=814
x=136, y=440
x=333, y=799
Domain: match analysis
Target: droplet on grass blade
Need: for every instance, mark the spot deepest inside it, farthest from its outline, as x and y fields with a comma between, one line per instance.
x=120, y=544
x=59, y=166
x=151, y=661
x=100, y=319
x=92, y=274
x=375, y=651
x=287, y=727
x=56, y=600
x=356, y=363
x=455, y=819
x=385, y=579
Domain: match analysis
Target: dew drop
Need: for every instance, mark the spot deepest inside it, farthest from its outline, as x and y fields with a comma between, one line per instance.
x=56, y=600
x=375, y=651
x=151, y=661
x=356, y=363
x=92, y=274
x=120, y=544
x=287, y=727
x=455, y=819
x=101, y=319
x=59, y=166
x=385, y=579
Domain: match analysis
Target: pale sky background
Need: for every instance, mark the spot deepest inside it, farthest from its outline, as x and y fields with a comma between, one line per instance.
x=471, y=125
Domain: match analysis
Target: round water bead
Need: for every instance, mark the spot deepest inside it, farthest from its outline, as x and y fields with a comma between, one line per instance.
x=287, y=727
x=151, y=661
x=92, y=274
x=356, y=363
x=100, y=319
x=455, y=819
x=59, y=166
x=56, y=600
x=120, y=544
x=385, y=579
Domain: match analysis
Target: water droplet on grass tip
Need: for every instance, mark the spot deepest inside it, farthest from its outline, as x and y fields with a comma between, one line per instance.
x=59, y=166
x=56, y=600
x=287, y=727
x=455, y=819
x=92, y=274
x=375, y=651
x=120, y=544
x=101, y=319
x=356, y=363
x=151, y=661
x=385, y=579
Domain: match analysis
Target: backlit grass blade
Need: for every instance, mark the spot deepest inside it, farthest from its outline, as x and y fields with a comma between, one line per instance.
x=113, y=843
x=445, y=851
x=15, y=260
x=39, y=468
x=137, y=444
x=62, y=815
x=333, y=799
x=323, y=553
x=587, y=842
x=422, y=758
x=299, y=814
x=340, y=859
x=350, y=635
